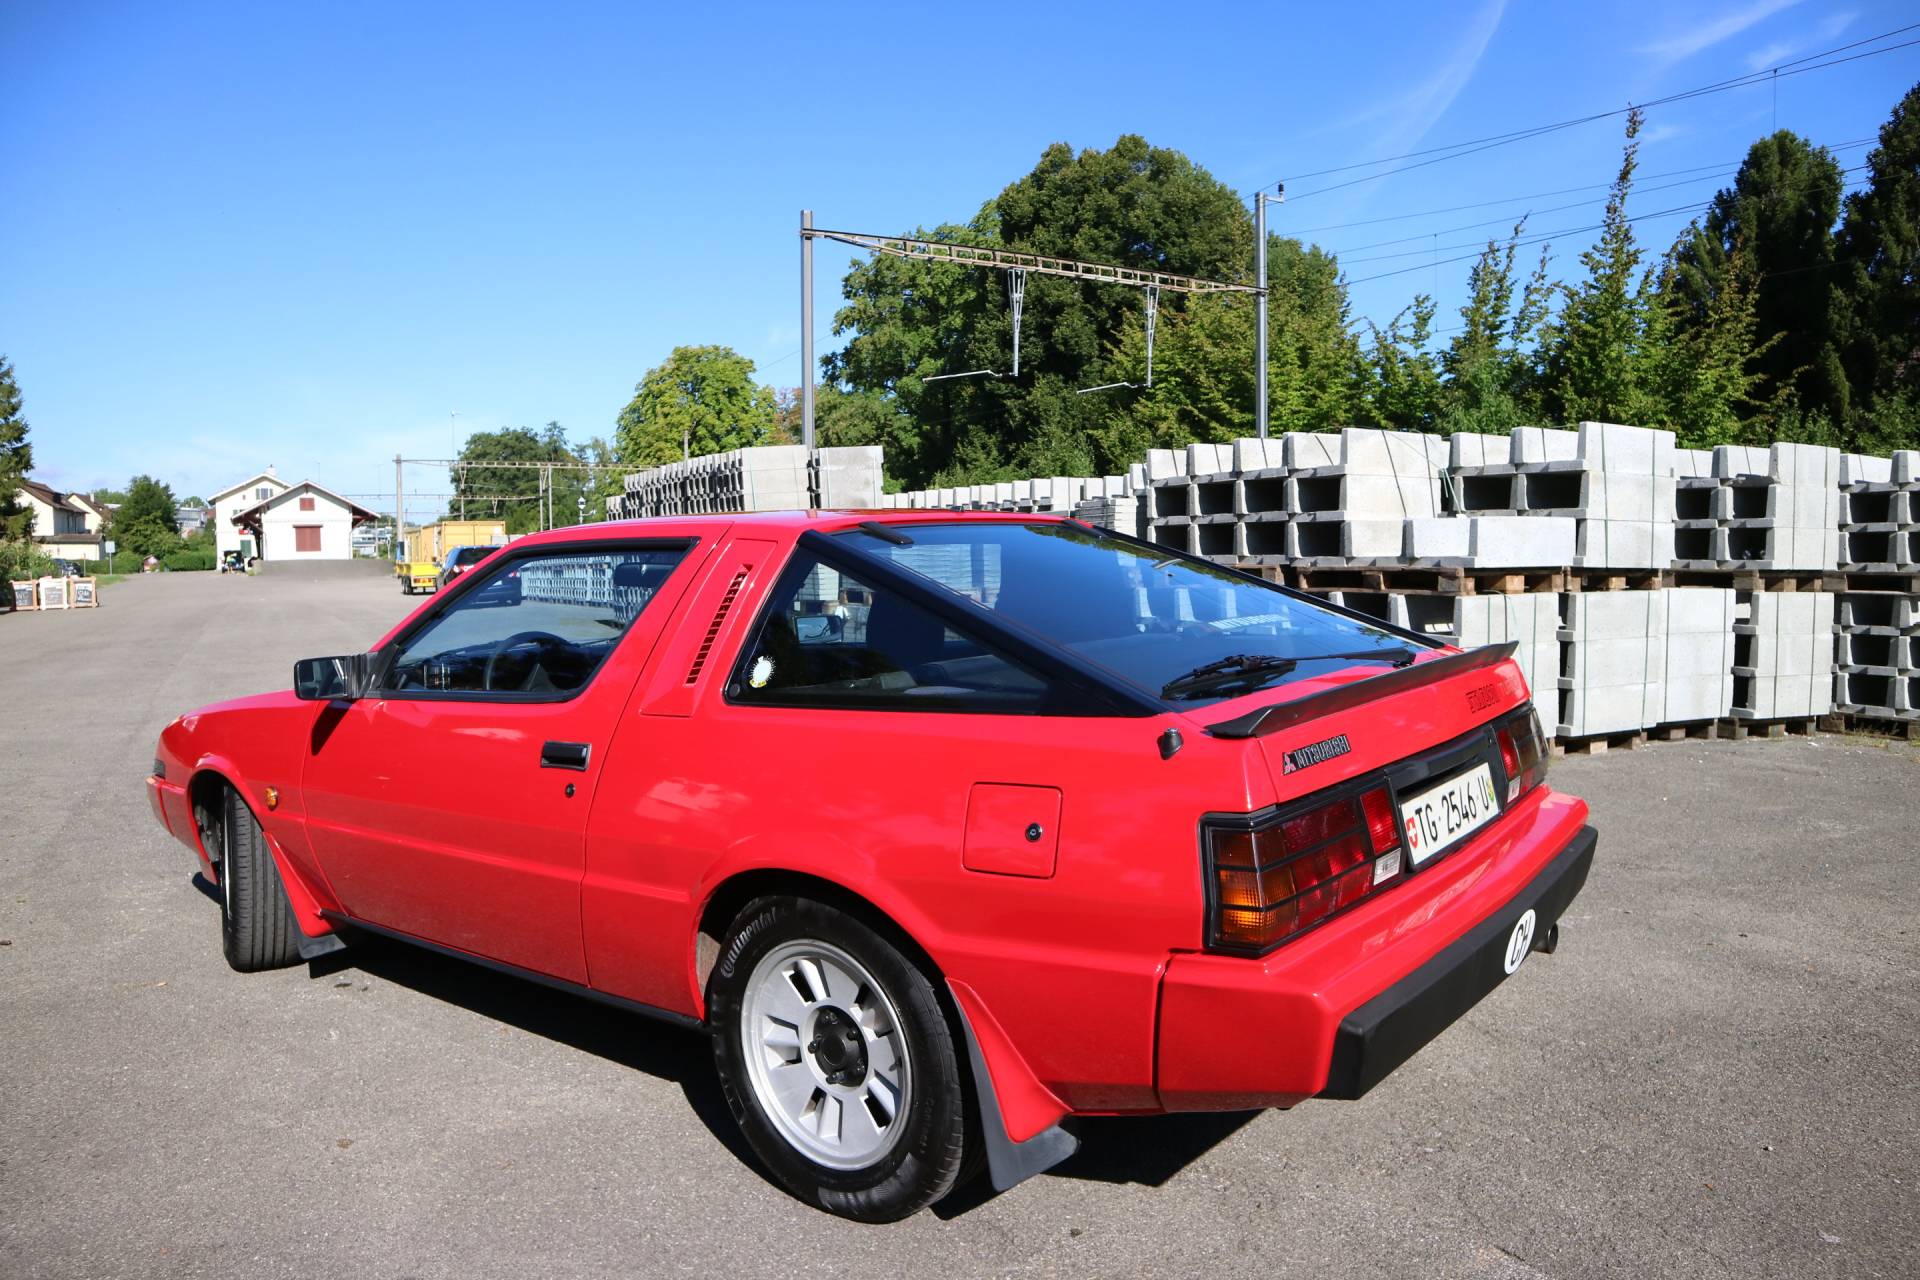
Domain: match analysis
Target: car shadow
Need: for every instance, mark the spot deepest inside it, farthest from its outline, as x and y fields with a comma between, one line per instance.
x=1143, y=1150
x=664, y=1051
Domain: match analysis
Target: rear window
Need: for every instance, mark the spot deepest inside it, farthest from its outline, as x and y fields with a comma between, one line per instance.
x=1182, y=630
x=471, y=555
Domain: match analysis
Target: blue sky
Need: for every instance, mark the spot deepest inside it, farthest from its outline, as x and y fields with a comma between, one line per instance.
x=306, y=234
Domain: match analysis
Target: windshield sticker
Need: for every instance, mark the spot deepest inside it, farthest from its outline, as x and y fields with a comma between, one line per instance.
x=1314, y=753
x=761, y=673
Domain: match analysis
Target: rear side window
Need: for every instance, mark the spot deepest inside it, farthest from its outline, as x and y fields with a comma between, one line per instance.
x=1182, y=630
x=535, y=626
x=829, y=638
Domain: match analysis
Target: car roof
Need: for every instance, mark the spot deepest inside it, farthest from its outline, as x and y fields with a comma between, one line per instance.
x=791, y=523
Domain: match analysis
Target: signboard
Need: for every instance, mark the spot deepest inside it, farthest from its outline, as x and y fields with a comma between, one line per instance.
x=85, y=594
x=109, y=546
x=24, y=597
x=53, y=593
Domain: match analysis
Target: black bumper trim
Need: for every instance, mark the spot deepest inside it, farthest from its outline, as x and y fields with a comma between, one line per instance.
x=1390, y=1028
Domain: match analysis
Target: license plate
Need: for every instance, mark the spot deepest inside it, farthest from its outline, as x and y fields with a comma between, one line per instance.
x=1439, y=816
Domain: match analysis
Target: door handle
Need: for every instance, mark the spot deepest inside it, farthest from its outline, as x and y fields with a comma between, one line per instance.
x=565, y=755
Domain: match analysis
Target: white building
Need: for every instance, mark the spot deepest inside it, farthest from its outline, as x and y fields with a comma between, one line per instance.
x=304, y=522
x=231, y=501
x=65, y=525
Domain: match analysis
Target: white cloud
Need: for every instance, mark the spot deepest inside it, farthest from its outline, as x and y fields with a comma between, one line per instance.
x=1421, y=107
x=1707, y=34
x=1772, y=55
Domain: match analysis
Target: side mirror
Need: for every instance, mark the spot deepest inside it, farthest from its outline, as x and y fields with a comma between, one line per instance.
x=348, y=676
x=819, y=628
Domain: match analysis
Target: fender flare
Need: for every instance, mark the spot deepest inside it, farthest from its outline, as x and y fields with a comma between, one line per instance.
x=1020, y=1117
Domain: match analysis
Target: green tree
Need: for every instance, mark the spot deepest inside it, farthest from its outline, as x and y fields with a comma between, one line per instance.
x=1877, y=297
x=1711, y=383
x=16, y=459
x=907, y=321
x=1781, y=211
x=1490, y=367
x=699, y=400
x=146, y=521
x=1597, y=358
x=512, y=493
x=1401, y=377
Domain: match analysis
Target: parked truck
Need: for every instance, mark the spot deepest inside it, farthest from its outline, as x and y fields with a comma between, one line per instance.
x=429, y=546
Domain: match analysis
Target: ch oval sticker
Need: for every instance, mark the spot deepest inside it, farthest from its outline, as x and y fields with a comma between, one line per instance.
x=1520, y=941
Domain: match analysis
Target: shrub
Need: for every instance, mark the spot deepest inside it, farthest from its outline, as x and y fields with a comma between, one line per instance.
x=23, y=562
x=187, y=561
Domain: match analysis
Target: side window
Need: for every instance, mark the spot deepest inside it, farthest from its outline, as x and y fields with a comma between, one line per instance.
x=541, y=624
x=830, y=639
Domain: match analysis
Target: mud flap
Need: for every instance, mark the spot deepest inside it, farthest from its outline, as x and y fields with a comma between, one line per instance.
x=1010, y=1163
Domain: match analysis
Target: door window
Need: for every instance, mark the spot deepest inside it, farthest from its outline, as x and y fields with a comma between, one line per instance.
x=831, y=639
x=537, y=625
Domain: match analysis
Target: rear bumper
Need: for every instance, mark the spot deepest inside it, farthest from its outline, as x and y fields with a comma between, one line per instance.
x=1334, y=1011
x=1388, y=1029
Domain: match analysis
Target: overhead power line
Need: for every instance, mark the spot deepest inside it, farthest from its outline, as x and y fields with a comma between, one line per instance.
x=1702, y=173
x=1541, y=238
x=1457, y=150
x=1409, y=253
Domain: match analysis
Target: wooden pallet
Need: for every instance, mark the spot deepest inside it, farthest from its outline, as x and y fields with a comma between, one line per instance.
x=1413, y=580
x=1737, y=729
x=1598, y=744
x=1903, y=583
x=1694, y=730
x=1755, y=579
x=1870, y=726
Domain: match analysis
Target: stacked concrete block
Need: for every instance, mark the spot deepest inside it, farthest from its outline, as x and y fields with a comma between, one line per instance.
x=1880, y=518
x=1616, y=483
x=1877, y=669
x=1492, y=542
x=1776, y=508
x=1532, y=620
x=1122, y=515
x=1700, y=657
x=1613, y=662
x=847, y=476
x=1355, y=506
x=1783, y=655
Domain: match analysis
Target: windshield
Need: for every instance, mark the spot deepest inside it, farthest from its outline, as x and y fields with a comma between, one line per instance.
x=1182, y=630
x=467, y=556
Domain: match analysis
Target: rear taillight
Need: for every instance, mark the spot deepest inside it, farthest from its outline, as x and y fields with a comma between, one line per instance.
x=1523, y=750
x=1279, y=878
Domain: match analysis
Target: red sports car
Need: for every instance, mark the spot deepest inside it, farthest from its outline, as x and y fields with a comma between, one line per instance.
x=946, y=827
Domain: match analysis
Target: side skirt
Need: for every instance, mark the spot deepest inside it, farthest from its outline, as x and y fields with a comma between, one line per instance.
x=685, y=1021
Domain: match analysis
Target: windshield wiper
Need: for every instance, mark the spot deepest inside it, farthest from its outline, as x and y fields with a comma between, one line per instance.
x=1254, y=669
x=1235, y=668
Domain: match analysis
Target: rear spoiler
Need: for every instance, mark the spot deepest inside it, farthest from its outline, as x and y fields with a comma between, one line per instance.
x=1266, y=720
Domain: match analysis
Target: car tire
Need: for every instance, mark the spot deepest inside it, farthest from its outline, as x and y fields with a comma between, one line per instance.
x=868, y=1118
x=257, y=929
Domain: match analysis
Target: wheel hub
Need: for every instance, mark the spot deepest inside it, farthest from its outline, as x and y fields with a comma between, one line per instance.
x=837, y=1048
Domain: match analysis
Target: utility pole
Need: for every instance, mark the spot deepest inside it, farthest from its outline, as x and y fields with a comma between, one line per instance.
x=453, y=432
x=399, y=512
x=806, y=329
x=1260, y=308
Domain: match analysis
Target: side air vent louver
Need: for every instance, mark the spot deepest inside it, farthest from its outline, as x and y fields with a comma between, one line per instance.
x=713, y=628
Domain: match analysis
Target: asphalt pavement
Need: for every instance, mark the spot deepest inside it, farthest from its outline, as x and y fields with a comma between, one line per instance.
x=1715, y=1076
